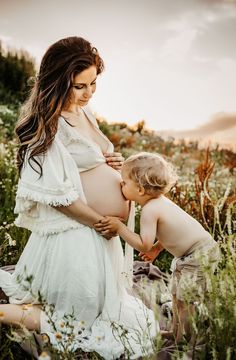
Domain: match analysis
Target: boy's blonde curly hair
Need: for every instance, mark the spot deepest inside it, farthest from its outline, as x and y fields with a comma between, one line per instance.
x=152, y=172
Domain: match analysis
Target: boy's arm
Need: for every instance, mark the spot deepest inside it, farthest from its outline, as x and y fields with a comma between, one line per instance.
x=153, y=253
x=142, y=242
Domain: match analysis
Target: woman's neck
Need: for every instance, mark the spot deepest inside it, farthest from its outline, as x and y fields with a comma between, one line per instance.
x=74, y=109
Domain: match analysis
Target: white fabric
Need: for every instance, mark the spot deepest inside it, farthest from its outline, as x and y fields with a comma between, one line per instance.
x=72, y=266
x=129, y=251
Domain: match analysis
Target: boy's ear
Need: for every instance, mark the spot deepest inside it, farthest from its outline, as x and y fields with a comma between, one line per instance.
x=141, y=190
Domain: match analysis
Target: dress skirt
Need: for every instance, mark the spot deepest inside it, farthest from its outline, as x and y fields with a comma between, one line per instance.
x=80, y=273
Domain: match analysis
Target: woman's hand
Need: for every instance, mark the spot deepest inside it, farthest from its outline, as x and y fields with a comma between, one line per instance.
x=115, y=160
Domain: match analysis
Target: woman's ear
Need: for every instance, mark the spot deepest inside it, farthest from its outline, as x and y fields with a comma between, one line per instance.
x=141, y=190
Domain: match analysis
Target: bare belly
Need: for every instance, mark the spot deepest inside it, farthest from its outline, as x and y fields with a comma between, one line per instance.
x=103, y=191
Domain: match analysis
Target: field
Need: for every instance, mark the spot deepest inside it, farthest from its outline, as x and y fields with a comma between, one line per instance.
x=206, y=190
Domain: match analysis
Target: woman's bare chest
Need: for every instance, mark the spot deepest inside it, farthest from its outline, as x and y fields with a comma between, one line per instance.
x=87, y=130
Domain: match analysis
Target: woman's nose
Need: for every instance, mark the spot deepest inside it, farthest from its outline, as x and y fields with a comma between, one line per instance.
x=88, y=92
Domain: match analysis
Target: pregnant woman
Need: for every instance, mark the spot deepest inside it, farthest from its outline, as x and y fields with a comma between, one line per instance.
x=68, y=182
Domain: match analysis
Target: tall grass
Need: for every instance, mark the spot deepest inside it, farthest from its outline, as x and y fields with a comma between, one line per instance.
x=206, y=190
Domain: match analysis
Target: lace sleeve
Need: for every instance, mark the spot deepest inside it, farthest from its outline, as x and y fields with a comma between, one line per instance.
x=59, y=184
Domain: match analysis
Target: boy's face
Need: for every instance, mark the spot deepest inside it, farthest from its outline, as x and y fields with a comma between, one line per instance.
x=129, y=188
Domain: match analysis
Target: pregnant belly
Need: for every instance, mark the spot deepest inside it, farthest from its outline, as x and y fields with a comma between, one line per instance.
x=103, y=191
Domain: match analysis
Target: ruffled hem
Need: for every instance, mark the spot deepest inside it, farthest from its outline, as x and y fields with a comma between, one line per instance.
x=52, y=197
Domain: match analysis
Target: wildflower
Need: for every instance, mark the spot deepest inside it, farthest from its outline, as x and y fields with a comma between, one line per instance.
x=45, y=338
x=1, y=315
x=58, y=335
x=16, y=337
x=44, y=356
x=27, y=307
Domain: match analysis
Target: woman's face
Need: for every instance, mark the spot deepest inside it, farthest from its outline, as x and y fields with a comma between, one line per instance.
x=83, y=86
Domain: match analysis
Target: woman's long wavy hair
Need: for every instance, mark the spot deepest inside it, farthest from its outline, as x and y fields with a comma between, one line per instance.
x=38, y=120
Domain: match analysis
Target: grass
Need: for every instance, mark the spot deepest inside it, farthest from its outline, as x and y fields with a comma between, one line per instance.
x=206, y=190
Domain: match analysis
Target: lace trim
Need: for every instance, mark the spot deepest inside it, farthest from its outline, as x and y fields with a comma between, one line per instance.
x=65, y=134
x=37, y=194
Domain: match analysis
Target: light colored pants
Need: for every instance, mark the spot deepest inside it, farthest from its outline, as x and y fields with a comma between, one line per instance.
x=189, y=272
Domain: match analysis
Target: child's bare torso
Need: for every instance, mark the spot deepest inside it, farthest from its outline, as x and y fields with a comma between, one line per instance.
x=177, y=231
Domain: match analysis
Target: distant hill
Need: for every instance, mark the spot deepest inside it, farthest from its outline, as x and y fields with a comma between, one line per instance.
x=219, y=129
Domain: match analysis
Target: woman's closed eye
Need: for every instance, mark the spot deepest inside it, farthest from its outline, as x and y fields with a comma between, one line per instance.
x=78, y=87
x=81, y=86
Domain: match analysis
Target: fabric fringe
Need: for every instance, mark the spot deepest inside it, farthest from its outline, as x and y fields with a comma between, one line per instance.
x=55, y=199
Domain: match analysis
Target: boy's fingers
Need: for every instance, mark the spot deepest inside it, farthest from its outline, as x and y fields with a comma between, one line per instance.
x=98, y=226
x=104, y=221
x=145, y=258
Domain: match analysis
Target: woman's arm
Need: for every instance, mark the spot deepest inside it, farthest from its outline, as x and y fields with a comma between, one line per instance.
x=81, y=212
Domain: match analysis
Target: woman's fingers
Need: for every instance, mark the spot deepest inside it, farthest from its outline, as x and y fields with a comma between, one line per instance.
x=114, y=154
x=115, y=163
x=115, y=158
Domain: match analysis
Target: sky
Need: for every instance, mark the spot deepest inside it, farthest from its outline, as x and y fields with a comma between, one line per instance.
x=171, y=63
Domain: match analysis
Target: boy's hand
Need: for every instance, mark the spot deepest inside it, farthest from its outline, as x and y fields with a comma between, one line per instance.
x=109, y=224
x=149, y=256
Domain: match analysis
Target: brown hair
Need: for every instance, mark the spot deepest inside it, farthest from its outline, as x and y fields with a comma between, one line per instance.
x=38, y=120
x=152, y=172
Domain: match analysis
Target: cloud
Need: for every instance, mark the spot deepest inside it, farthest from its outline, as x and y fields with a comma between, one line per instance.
x=178, y=46
x=206, y=30
x=218, y=122
x=221, y=129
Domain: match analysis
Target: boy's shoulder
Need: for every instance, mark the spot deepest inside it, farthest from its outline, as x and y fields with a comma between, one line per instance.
x=157, y=201
x=161, y=203
x=153, y=204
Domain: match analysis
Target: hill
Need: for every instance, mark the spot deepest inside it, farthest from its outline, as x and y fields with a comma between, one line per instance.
x=221, y=129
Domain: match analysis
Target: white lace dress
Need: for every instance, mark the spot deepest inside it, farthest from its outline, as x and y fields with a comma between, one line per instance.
x=72, y=266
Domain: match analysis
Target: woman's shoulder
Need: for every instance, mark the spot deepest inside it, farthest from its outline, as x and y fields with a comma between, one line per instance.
x=64, y=133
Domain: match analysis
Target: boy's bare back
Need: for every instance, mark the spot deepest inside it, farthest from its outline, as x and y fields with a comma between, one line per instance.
x=176, y=230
